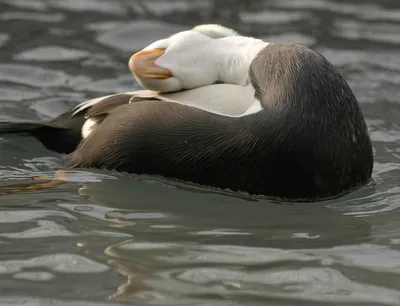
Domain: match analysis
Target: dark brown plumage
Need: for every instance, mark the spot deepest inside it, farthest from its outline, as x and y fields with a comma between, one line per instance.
x=310, y=140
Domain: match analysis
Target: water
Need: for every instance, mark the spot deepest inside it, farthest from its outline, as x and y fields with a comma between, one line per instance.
x=106, y=238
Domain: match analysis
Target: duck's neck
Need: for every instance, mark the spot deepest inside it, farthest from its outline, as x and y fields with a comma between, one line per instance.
x=235, y=57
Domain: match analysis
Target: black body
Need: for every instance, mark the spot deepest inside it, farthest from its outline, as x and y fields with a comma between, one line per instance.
x=309, y=142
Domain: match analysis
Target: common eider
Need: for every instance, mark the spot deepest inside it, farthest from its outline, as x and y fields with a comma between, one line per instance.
x=226, y=111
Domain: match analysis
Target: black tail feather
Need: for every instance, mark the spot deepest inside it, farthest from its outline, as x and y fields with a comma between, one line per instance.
x=18, y=127
x=59, y=135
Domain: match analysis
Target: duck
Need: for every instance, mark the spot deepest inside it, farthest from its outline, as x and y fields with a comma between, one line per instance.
x=226, y=111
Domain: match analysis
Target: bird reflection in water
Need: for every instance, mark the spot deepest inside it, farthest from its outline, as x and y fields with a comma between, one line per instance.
x=135, y=283
x=40, y=183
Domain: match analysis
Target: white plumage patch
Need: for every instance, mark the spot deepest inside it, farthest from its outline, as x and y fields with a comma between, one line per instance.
x=88, y=127
x=222, y=99
x=215, y=30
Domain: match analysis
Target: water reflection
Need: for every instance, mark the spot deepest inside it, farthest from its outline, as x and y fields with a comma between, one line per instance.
x=254, y=272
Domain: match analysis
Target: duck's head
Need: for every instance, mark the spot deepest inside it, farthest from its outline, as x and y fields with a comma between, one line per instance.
x=204, y=55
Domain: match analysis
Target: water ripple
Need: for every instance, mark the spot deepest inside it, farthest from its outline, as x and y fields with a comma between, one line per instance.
x=17, y=216
x=62, y=263
x=311, y=284
x=38, y=77
x=273, y=17
x=17, y=93
x=3, y=38
x=28, y=4
x=32, y=301
x=290, y=37
x=133, y=36
x=44, y=228
x=118, y=84
x=158, y=8
x=377, y=32
x=366, y=256
x=51, y=53
x=90, y=5
x=332, y=6
x=315, y=274
x=37, y=17
x=34, y=276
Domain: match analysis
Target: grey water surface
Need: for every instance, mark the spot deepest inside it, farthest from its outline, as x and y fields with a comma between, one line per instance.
x=108, y=238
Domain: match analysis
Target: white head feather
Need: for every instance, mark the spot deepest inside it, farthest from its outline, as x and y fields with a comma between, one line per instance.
x=205, y=55
x=196, y=58
x=215, y=30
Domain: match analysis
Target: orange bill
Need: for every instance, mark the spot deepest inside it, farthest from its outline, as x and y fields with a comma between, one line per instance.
x=142, y=65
